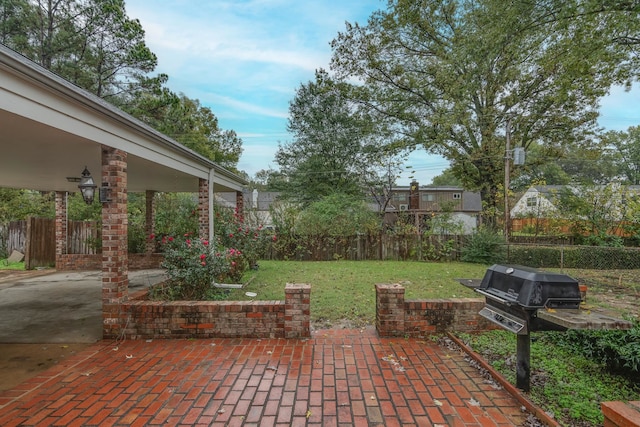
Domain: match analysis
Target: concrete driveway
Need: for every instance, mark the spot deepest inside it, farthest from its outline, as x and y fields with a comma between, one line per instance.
x=58, y=307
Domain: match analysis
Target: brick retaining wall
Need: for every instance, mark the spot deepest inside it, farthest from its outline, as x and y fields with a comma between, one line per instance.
x=396, y=316
x=144, y=319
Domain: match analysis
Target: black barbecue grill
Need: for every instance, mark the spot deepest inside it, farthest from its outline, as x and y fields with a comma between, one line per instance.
x=515, y=293
x=522, y=299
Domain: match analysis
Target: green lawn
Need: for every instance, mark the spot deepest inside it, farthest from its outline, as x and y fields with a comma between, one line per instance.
x=5, y=265
x=345, y=290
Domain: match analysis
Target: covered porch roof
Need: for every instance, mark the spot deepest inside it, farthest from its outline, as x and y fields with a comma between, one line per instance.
x=51, y=130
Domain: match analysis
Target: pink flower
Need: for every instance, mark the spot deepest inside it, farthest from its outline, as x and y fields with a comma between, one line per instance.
x=202, y=257
x=230, y=234
x=170, y=239
x=233, y=263
x=152, y=236
x=275, y=238
x=203, y=263
x=205, y=242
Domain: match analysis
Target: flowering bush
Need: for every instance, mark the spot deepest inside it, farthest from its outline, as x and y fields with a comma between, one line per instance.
x=193, y=266
x=232, y=231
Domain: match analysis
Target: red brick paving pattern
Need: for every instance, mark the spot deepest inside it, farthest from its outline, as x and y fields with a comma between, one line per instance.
x=336, y=378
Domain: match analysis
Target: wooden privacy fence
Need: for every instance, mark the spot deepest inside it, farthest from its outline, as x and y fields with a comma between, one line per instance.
x=369, y=247
x=36, y=239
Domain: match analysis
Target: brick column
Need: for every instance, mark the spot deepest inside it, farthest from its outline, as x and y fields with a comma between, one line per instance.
x=297, y=313
x=390, y=310
x=149, y=224
x=115, y=261
x=61, y=227
x=240, y=205
x=203, y=208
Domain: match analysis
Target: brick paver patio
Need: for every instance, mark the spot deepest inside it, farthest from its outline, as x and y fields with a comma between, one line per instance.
x=336, y=378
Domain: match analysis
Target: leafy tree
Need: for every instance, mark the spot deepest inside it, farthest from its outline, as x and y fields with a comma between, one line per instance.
x=13, y=23
x=91, y=43
x=16, y=205
x=191, y=124
x=446, y=178
x=452, y=75
x=580, y=164
x=627, y=152
x=269, y=180
x=334, y=149
x=595, y=212
x=337, y=215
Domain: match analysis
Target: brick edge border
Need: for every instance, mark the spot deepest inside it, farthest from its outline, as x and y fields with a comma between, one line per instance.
x=531, y=407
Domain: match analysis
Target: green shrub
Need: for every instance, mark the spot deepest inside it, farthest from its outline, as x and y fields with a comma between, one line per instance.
x=484, y=247
x=535, y=256
x=619, y=350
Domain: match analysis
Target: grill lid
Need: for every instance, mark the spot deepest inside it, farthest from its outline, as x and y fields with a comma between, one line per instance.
x=529, y=288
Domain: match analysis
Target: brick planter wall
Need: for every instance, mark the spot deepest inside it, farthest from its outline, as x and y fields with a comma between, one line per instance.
x=143, y=319
x=396, y=316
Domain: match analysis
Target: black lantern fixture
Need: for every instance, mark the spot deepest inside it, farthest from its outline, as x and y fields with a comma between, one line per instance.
x=87, y=186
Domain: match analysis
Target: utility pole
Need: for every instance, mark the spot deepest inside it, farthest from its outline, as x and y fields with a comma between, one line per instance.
x=507, y=159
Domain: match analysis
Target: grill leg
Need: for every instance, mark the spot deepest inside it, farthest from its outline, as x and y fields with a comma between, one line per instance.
x=523, y=367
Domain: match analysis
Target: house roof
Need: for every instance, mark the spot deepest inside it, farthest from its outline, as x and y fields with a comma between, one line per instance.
x=52, y=129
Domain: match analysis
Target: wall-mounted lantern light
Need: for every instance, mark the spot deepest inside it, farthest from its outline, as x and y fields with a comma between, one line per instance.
x=87, y=186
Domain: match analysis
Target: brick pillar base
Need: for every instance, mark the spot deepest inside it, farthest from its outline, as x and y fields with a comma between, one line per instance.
x=390, y=310
x=61, y=227
x=297, y=313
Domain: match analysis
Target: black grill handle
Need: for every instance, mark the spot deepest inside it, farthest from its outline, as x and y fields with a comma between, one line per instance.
x=493, y=297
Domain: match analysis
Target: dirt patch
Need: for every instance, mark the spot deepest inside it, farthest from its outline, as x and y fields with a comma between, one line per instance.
x=20, y=362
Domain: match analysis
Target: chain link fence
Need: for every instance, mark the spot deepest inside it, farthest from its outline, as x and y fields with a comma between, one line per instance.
x=613, y=267
x=581, y=257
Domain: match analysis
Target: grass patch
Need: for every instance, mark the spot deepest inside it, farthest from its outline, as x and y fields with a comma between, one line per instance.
x=6, y=265
x=344, y=290
x=563, y=382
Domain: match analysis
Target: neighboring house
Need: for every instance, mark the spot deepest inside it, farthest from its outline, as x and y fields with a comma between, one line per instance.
x=420, y=201
x=465, y=206
x=540, y=201
x=537, y=202
x=256, y=203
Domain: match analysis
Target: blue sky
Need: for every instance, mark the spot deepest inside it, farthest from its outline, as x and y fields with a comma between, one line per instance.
x=244, y=59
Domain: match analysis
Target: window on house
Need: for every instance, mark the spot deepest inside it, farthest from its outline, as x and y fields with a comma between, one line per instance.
x=532, y=202
x=428, y=197
x=401, y=197
x=457, y=196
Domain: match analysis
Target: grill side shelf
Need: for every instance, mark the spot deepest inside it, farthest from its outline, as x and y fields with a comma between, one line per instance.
x=582, y=319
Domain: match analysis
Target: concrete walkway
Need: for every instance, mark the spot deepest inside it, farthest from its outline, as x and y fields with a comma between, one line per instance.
x=57, y=307
x=336, y=378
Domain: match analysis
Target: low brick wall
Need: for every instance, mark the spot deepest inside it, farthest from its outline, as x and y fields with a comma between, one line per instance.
x=72, y=262
x=144, y=319
x=396, y=316
x=621, y=414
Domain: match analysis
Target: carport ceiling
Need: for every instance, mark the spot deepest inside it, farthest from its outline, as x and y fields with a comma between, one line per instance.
x=40, y=157
x=50, y=130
